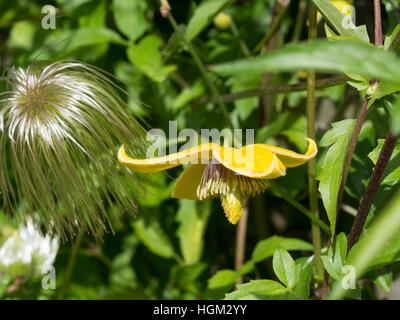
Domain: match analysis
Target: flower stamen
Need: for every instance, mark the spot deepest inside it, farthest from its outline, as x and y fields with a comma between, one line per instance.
x=231, y=188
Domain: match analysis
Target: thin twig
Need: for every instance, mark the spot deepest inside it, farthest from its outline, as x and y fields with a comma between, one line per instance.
x=285, y=88
x=352, y=147
x=264, y=107
x=363, y=111
x=242, y=43
x=200, y=65
x=378, y=23
x=299, y=20
x=312, y=182
x=70, y=266
x=274, y=27
x=299, y=206
x=240, y=247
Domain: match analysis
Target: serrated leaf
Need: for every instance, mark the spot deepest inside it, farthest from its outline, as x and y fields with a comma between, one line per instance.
x=204, y=15
x=266, y=248
x=330, y=178
x=350, y=57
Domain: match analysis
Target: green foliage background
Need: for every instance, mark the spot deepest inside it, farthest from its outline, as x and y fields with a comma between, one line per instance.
x=180, y=249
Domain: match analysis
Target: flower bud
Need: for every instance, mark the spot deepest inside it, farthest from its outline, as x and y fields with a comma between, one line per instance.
x=222, y=21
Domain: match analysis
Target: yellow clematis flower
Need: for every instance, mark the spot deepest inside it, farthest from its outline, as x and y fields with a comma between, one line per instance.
x=344, y=6
x=228, y=173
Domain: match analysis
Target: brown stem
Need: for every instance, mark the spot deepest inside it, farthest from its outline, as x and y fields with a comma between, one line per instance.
x=378, y=23
x=363, y=111
x=372, y=188
x=285, y=88
x=267, y=78
x=278, y=14
x=312, y=182
x=15, y=285
x=352, y=147
x=241, y=240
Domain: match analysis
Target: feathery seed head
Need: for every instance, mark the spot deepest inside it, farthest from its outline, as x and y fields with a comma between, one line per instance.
x=60, y=125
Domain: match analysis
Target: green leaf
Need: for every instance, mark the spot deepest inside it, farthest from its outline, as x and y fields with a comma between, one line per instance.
x=146, y=56
x=81, y=40
x=388, y=254
x=394, y=109
x=193, y=223
x=382, y=279
x=331, y=175
x=22, y=35
x=122, y=273
x=223, y=278
x=158, y=191
x=257, y=290
x=184, y=276
x=266, y=248
x=306, y=266
x=95, y=16
x=285, y=268
x=389, y=40
x=350, y=57
x=187, y=95
x=379, y=237
x=92, y=36
x=385, y=88
x=335, y=260
x=239, y=83
x=340, y=22
x=130, y=17
x=153, y=237
x=391, y=175
x=274, y=128
x=204, y=15
x=297, y=133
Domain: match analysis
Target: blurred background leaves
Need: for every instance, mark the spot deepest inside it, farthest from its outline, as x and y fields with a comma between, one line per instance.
x=185, y=249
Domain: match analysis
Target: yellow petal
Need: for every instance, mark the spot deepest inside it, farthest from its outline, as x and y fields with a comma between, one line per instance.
x=188, y=181
x=252, y=161
x=293, y=159
x=196, y=153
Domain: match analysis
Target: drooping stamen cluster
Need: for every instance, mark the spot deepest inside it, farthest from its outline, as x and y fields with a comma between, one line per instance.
x=231, y=188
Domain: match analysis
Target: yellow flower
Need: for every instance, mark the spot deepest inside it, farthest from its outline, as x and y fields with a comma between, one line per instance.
x=228, y=173
x=344, y=7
